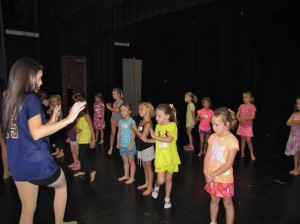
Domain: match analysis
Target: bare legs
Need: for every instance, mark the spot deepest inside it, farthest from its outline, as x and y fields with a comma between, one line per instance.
x=165, y=178
x=203, y=144
x=129, y=167
x=96, y=134
x=296, y=170
x=4, y=158
x=148, y=178
x=112, y=138
x=247, y=140
x=214, y=209
x=28, y=194
x=74, y=151
x=101, y=135
x=189, y=134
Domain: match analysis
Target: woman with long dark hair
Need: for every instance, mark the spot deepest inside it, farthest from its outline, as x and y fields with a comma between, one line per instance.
x=24, y=126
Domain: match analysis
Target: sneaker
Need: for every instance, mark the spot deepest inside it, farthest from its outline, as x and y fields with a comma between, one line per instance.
x=74, y=164
x=188, y=148
x=76, y=167
x=71, y=165
x=167, y=203
x=155, y=192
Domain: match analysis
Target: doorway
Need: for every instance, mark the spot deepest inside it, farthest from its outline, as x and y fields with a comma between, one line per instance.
x=73, y=79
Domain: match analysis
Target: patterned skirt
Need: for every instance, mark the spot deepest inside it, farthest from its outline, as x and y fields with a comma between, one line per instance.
x=220, y=189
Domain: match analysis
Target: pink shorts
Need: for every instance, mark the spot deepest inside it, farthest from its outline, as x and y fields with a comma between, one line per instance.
x=114, y=123
x=220, y=189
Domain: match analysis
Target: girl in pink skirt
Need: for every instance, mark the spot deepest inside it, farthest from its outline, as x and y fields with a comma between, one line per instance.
x=222, y=148
x=293, y=144
x=245, y=116
x=98, y=120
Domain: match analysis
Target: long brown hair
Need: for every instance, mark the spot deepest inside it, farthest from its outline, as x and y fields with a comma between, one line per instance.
x=22, y=80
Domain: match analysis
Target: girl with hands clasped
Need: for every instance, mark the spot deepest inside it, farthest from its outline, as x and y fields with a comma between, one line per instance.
x=246, y=115
x=24, y=124
x=218, y=162
x=293, y=144
x=126, y=143
x=204, y=116
x=145, y=150
x=166, y=156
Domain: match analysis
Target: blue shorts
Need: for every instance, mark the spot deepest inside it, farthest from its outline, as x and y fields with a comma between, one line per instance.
x=124, y=151
x=204, y=132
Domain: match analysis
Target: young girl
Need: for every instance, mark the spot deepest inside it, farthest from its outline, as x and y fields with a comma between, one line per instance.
x=98, y=121
x=189, y=98
x=293, y=144
x=245, y=116
x=204, y=116
x=24, y=125
x=145, y=150
x=44, y=98
x=222, y=148
x=86, y=140
x=57, y=138
x=126, y=143
x=74, y=146
x=117, y=94
x=166, y=155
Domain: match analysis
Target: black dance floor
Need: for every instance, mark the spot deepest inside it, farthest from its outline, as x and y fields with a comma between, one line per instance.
x=264, y=193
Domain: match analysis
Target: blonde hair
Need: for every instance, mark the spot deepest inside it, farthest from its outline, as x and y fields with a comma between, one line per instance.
x=119, y=91
x=168, y=109
x=149, y=106
x=227, y=115
x=55, y=97
x=128, y=106
x=249, y=94
x=193, y=96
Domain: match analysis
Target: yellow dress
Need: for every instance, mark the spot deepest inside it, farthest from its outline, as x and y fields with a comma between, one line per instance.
x=166, y=155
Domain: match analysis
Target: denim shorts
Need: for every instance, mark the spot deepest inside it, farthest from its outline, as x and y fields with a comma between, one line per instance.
x=204, y=132
x=124, y=151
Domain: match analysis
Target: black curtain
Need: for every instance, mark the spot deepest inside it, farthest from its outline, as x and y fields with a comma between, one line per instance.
x=219, y=49
x=3, y=74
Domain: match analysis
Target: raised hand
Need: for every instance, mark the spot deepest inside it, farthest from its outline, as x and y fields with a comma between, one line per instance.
x=55, y=114
x=75, y=110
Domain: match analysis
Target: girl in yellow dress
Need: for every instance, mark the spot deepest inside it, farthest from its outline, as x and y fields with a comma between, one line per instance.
x=166, y=155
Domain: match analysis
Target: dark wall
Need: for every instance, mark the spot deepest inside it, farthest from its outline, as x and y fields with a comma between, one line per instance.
x=221, y=50
x=212, y=48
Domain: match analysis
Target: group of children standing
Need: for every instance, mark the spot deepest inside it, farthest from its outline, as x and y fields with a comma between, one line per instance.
x=245, y=116
x=139, y=137
x=220, y=148
x=82, y=134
